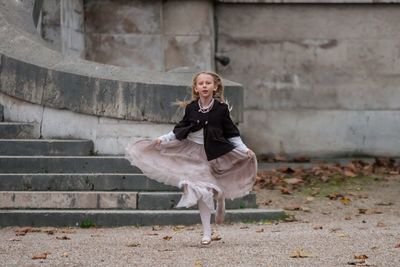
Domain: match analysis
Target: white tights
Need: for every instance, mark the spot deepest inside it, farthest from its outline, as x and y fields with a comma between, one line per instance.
x=205, y=216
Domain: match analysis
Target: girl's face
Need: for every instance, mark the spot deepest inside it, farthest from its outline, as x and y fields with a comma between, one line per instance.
x=205, y=86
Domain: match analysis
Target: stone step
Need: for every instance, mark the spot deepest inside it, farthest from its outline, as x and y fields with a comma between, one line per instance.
x=80, y=182
x=1, y=113
x=114, y=218
x=169, y=200
x=41, y=147
x=103, y=200
x=67, y=200
x=65, y=164
x=18, y=130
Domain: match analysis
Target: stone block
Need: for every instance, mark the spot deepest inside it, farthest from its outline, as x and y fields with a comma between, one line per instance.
x=80, y=182
x=67, y=200
x=49, y=164
x=330, y=133
x=22, y=80
x=139, y=51
x=45, y=147
x=10, y=130
x=188, y=51
x=188, y=17
x=123, y=17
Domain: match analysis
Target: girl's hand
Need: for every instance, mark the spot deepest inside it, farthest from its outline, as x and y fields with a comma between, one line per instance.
x=250, y=153
x=158, y=141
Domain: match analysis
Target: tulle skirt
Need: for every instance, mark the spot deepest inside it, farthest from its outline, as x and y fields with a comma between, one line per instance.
x=184, y=164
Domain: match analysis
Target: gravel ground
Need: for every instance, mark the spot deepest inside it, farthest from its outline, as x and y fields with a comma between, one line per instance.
x=326, y=233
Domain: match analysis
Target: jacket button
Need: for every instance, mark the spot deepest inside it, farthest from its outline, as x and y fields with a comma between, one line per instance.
x=206, y=122
x=198, y=121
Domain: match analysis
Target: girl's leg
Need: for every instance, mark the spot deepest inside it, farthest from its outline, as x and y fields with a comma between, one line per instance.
x=205, y=216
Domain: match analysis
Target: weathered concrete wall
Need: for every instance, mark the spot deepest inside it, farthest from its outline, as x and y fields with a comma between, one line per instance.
x=110, y=136
x=319, y=79
x=72, y=28
x=50, y=28
x=150, y=35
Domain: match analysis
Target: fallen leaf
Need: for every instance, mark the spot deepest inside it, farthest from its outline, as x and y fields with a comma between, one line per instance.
x=167, y=237
x=292, y=207
x=345, y=200
x=397, y=246
x=380, y=224
x=349, y=174
x=163, y=250
x=334, y=196
x=178, y=228
x=301, y=159
x=348, y=218
x=260, y=230
x=384, y=204
x=360, y=257
x=285, y=191
x=343, y=235
x=244, y=227
x=362, y=211
x=68, y=231
x=318, y=227
x=63, y=237
x=305, y=209
x=65, y=254
x=23, y=231
x=198, y=263
x=156, y=228
x=41, y=256
x=300, y=254
x=133, y=245
x=294, y=181
x=309, y=199
x=215, y=237
x=14, y=239
x=151, y=233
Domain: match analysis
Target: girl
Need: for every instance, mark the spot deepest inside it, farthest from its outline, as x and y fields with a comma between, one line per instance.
x=204, y=154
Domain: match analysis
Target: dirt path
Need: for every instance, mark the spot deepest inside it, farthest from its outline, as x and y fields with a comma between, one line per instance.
x=364, y=222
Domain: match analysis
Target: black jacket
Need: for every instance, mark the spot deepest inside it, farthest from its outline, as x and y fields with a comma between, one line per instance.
x=218, y=127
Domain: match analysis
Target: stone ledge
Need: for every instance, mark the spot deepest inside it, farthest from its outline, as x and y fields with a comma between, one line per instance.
x=113, y=218
x=309, y=1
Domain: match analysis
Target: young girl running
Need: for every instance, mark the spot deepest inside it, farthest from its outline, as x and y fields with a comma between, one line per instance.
x=204, y=154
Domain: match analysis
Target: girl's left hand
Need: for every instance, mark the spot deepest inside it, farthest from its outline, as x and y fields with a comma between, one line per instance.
x=250, y=153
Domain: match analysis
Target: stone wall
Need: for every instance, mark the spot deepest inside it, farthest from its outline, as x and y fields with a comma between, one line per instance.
x=151, y=35
x=319, y=79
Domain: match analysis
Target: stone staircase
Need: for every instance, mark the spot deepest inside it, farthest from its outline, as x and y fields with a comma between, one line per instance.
x=60, y=183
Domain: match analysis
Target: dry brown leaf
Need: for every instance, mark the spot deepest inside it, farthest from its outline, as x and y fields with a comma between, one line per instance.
x=345, y=200
x=151, y=234
x=362, y=211
x=300, y=253
x=14, y=239
x=198, y=263
x=133, y=245
x=261, y=230
x=360, y=257
x=178, y=228
x=292, y=207
x=23, y=231
x=318, y=227
x=63, y=237
x=41, y=256
x=244, y=227
x=349, y=174
x=285, y=191
x=384, y=203
x=215, y=237
x=167, y=237
x=397, y=246
x=65, y=254
x=380, y=224
x=156, y=228
x=294, y=181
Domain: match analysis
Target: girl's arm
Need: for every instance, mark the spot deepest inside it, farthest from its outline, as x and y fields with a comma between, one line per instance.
x=166, y=138
x=238, y=143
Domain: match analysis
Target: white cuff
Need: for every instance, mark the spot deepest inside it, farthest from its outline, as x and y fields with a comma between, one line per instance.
x=168, y=137
x=238, y=143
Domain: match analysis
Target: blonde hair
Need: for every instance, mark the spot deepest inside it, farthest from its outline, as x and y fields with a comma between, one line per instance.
x=217, y=94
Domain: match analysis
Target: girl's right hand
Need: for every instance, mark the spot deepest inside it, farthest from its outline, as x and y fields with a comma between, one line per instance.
x=158, y=141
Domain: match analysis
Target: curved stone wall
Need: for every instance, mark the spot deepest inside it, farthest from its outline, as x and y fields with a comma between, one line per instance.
x=33, y=72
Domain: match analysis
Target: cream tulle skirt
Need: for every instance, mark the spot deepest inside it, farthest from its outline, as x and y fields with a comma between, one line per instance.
x=184, y=164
